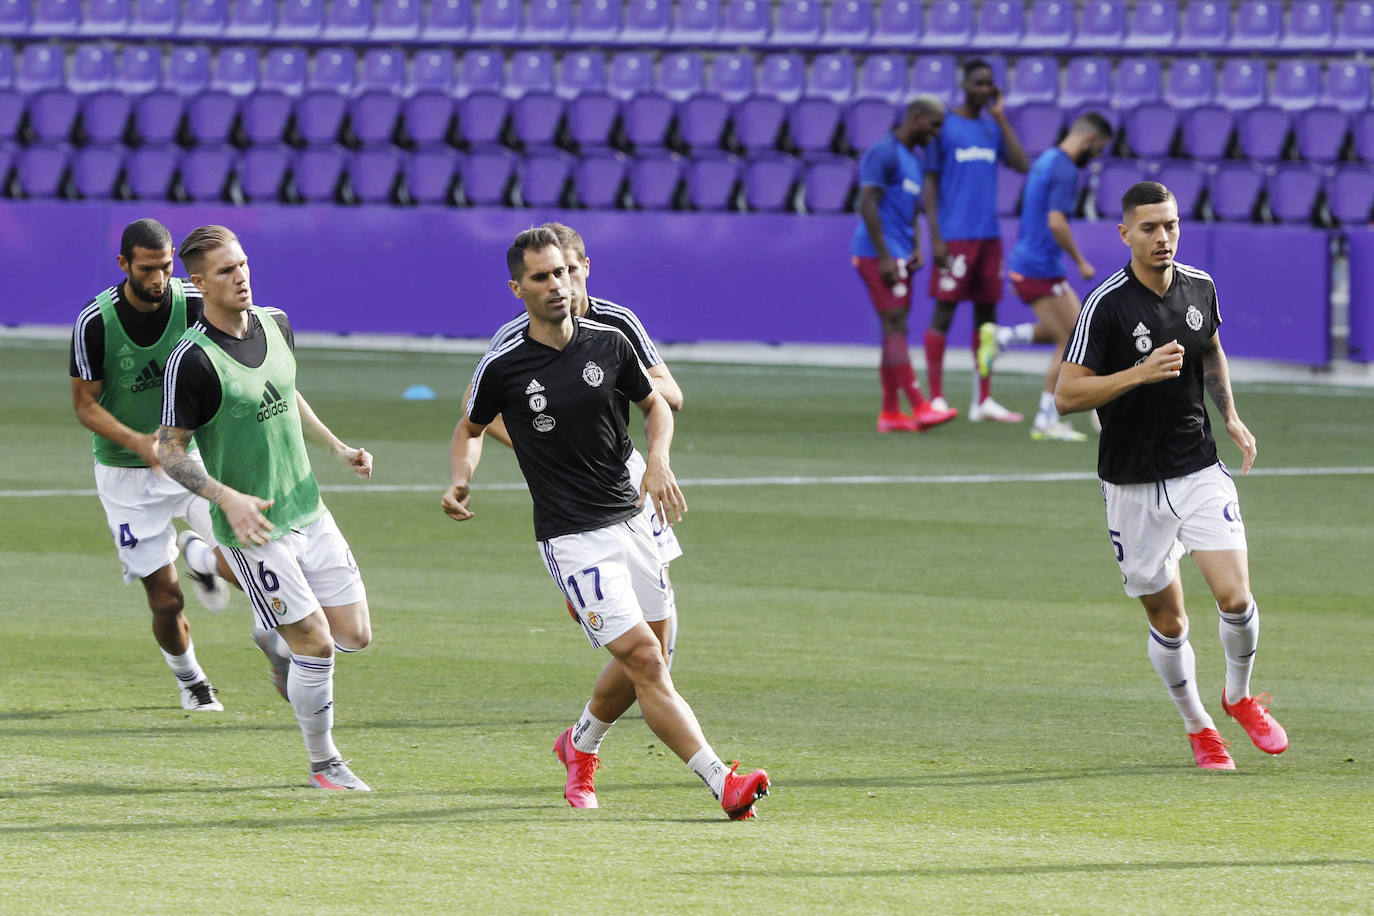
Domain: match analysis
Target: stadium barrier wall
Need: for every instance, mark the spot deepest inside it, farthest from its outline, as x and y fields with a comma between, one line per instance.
x=772, y=278
x=1361, y=294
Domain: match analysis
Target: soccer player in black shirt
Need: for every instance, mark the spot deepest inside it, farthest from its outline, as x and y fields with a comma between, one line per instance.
x=558, y=387
x=1144, y=349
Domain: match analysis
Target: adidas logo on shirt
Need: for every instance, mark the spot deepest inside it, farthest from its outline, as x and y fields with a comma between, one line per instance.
x=272, y=403
x=533, y=387
x=1140, y=330
x=150, y=377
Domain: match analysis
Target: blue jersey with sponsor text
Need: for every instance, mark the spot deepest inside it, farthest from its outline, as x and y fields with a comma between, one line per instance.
x=894, y=168
x=965, y=154
x=1051, y=185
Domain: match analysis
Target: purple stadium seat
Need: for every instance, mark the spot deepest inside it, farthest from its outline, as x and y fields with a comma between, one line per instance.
x=446, y=21
x=1321, y=133
x=535, y=109
x=1087, y=82
x=745, y=22
x=544, y=175
x=41, y=167
x=655, y=179
x=782, y=77
x=157, y=116
x=1009, y=185
x=1235, y=188
x=1258, y=26
x=300, y=19
x=732, y=76
x=696, y=22
x=265, y=112
x=262, y=172
x=1296, y=85
x=104, y=109
x=55, y=17
x=6, y=65
x=103, y=19
x=1101, y=24
x=1355, y=29
x=1138, y=80
x=798, y=23
x=646, y=21
x=1153, y=25
x=828, y=184
x=52, y=109
x=646, y=113
x=596, y=22
x=150, y=170
x=188, y=70
x=848, y=24
x=681, y=75
x=40, y=67
x=373, y=172
x=1242, y=83
x=1116, y=177
x=1150, y=129
x=868, y=120
x=348, y=20
x=1310, y=25
x=205, y=173
x=318, y=172
x=1191, y=83
x=883, y=76
x=432, y=70
x=1263, y=132
x=937, y=74
x=373, y=111
x=1001, y=25
x=703, y=116
x=599, y=179
x=1186, y=180
x=496, y=21
x=321, y=109
x=95, y=170
x=1037, y=124
x=814, y=117
x=15, y=17
x=482, y=104
x=1206, y=26
x=1206, y=131
x=548, y=20
x=1351, y=194
x=591, y=111
x=898, y=24
x=251, y=19
x=1293, y=191
x=382, y=70
x=397, y=20
x=1034, y=79
x=203, y=18
x=154, y=17
x=711, y=180
x=759, y=119
x=769, y=181
x=1049, y=25
x=489, y=175
x=1346, y=86
x=949, y=24
x=430, y=173
x=428, y=116
x=235, y=70
x=631, y=73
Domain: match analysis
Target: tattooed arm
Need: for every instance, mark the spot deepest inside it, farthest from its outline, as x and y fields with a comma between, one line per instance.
x=1216, y=378
x=244, y=512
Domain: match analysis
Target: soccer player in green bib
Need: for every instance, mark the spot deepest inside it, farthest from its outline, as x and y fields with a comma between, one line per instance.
x=120, y=344
x=232, y=383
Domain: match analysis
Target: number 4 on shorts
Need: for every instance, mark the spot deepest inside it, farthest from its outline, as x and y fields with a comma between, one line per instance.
x=126, y=537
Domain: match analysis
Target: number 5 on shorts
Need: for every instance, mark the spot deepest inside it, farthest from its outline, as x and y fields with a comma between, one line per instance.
x=1116, y=542
x=595, y=575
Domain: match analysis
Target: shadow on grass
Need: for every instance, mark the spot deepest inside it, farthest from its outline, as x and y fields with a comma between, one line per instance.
x=166, y=728
x=993, y=871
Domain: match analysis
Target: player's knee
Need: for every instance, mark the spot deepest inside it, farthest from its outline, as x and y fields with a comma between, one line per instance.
x=1234, y=601
x=355, y=639
x=645, y=663
x=165, y=600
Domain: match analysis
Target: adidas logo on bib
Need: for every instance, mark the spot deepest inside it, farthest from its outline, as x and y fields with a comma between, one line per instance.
x=272, y=403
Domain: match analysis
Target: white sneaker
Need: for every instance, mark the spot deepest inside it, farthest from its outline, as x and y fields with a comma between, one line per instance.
x=335, y=774
x=1056, y=432
x=200, y=697
x=211, y=591
x=991, y=410
x=939, y=404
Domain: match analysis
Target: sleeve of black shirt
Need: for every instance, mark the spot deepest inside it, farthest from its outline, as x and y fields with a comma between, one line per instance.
x=285, y=324
x=191, y=390
x=631, y=379
x=87, y=354
x=1091, y=336
x=485, y=404
x=1216, y=308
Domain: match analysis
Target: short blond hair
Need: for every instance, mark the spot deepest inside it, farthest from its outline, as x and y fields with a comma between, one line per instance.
x=201, y=240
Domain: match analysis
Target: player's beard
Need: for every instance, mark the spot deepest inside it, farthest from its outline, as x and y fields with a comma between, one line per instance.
x=143, y=293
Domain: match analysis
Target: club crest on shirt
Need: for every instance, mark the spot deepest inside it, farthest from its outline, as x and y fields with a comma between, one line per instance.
x=543, y=423
x=538, y=402
x=593, y=375
x=1194, y=318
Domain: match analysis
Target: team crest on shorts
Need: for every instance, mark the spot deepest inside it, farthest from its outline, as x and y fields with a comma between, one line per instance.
x=1194, y=318
x=593, y=375
x=595, y=621
x=278, y=606
x=543, y=423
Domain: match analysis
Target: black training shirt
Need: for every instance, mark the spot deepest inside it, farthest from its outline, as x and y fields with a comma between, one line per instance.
x=560, y=408
x=192, y=389
x=1157, y=431
x=87, y=350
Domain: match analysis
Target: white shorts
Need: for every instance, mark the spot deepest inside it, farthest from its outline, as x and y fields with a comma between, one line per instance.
x=140, y=504
x=611, y=577
x=289, y=578
x=1152, y=524
x=668, y=547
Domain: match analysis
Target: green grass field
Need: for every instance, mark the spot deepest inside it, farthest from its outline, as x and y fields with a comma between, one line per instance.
x=944, y=679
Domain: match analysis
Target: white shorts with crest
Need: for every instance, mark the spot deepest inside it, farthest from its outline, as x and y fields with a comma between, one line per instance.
x=140, y=504
x=290, y=577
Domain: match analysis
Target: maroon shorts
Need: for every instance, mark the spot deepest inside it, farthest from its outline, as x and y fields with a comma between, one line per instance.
x=885, y=298
x=974, y=273
x=1031, y=289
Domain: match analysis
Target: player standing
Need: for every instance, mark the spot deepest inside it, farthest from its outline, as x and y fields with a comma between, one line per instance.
x=965, y=237
x=1036, y=268
x=886, y=251
x=1144, y=349
x=232, y=383
x=557, y=386
x=119, y=349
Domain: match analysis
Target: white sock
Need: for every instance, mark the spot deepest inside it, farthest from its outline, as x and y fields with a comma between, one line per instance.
x=1239, y=639
x=588, y=732
x=1011, y=335
x=708, y=766
x=1046, y=415
x=1177, y=666
x=200, y=556
x=185, y=666
x=672, y=627
x=310, y=685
